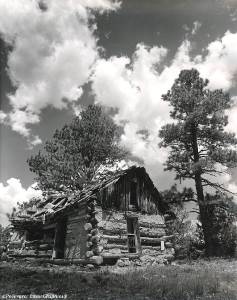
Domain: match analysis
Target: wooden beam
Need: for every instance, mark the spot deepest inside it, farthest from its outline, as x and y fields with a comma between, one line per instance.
x=147, y=240
x=94, y=260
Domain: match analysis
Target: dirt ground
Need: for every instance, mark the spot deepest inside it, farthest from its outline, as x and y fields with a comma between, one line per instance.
x=214, y=279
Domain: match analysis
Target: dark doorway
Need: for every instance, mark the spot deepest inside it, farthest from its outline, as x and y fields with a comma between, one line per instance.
x=60, y=234
x=133, y=235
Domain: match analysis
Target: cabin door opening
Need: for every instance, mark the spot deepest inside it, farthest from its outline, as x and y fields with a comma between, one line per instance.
x=133, y=235
x=59, y=241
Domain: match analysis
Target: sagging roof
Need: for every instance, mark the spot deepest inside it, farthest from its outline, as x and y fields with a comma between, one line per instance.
x=58, y=203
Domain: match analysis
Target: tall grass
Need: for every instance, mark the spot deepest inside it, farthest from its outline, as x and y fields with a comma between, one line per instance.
x=166, y=283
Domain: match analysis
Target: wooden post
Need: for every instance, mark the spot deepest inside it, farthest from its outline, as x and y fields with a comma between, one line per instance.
x=162, y=245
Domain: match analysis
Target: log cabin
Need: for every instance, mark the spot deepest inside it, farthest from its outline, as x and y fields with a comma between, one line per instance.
x=122, y=216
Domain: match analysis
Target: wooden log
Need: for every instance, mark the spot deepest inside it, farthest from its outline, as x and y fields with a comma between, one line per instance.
x=147, y=240
x=115, y=239
x=151, y=225
x=115, y=246
x=94, y=260
x=95, y=239
x=94, y=231
x=157, y=248
x=118, y=223
x=119, y=255
x=167, y=237
x=150, y=240
x=89, y=236
x=114, y=231
x=168, y=245
x=163, y=238
x=30, y=255
x=45, y=247
x=89, y=254
x=88, y=226
x=89, y=244
x=57, y=261
x=152, y=231
x=151, y=235
x=98, y=250
x=144, y=232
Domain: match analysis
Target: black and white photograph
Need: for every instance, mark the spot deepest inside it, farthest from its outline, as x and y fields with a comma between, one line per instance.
x=118, y=149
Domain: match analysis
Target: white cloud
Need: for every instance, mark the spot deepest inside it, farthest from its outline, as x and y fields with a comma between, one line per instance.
x=11, y=193
x=102, y=5
x=232, y=113
x=134, y=86
x=53, y=52
x=232, y=186
x=219, y=64
x=3, y=116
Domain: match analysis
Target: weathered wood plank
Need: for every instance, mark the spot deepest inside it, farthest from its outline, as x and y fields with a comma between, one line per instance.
x=94, y=260
x=152, y=232
x=115, y=246
x=109, y=255
x=157, y=248
x=147, y=240
x=151, y=224
x=114, y=239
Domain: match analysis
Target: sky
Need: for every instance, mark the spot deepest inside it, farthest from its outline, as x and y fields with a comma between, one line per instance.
x=57, y=56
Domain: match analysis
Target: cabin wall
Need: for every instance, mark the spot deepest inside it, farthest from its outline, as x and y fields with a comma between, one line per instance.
x=112, y=227
x=118, y=194
x=82, y=236
x=76, y=236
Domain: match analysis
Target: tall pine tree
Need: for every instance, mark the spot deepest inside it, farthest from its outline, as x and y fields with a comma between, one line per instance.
x=197, y=139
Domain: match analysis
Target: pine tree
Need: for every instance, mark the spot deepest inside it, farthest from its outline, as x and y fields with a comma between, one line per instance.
x=74, y=155
x=197, y=139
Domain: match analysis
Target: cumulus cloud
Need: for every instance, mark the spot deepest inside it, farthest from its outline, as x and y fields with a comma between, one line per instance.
x=134, y=86
x=53, y=51
x=11, y=193
x=3, y=116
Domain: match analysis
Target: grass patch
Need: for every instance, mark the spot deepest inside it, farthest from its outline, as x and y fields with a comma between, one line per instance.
x=184, y=282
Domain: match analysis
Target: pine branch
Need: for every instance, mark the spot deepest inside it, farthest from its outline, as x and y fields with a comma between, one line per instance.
x=216, y=186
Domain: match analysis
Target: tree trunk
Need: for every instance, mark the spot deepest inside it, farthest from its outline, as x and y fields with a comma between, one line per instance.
x=200, y=197
x=210, y=251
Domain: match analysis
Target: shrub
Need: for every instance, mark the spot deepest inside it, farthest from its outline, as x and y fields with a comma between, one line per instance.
x=221, y=214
